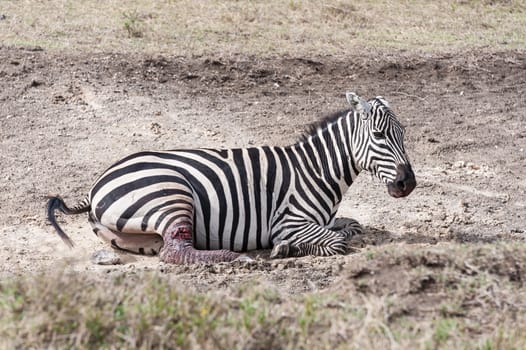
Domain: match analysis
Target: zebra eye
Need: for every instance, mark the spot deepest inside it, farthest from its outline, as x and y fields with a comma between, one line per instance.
x=378, y=134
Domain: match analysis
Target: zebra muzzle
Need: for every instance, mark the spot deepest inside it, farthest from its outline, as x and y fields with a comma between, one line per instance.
x=404, y=183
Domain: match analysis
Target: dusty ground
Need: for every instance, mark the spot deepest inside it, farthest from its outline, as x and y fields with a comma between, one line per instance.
x=65, y=118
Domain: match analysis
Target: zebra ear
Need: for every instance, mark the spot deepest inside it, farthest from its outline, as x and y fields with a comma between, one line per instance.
x=359, y=104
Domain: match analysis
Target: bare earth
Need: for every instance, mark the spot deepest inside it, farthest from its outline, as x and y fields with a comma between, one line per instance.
x=64, y=119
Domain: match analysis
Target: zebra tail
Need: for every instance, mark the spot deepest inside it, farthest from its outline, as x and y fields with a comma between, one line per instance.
x=54, y=203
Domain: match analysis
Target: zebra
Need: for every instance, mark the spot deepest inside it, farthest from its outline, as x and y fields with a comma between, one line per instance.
x=210, y=205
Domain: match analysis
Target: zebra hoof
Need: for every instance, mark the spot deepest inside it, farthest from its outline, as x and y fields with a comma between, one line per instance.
x=280, y=250
x=348, y=227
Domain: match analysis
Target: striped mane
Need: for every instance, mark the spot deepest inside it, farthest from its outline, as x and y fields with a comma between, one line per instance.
x=322, y=123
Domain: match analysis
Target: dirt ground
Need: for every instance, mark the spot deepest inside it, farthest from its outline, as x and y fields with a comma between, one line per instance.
x=65, y=118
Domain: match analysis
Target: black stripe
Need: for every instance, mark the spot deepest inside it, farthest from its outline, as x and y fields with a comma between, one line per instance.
x=286, y=176
x=347, y=140
x=253, y=154
x=138, y=204
x=245, y=191
x=132, y=168
x=223, y=153
x=271, y=179
x=294, y=203
x=322, y=151
x=172, y=219
x=126, y=188
x=332, y=150
x=311, y=156
x=155, y=209
x=340, y=143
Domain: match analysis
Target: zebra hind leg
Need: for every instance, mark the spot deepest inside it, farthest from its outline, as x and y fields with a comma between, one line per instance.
x=146, y=244
x=178, y=248
x=280, y=250
x=347, y=226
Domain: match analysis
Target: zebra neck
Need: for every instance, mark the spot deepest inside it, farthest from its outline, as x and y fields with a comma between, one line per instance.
x=329, y=158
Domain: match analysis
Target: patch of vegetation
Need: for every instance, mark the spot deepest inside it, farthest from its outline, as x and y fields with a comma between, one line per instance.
x=133, y=24
x=474, y=301
x=299, y=28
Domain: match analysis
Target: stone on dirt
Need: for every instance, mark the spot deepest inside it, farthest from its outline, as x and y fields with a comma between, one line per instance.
x=105, y=257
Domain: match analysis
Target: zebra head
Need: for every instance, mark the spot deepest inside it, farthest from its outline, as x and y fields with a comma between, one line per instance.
x=378, y=144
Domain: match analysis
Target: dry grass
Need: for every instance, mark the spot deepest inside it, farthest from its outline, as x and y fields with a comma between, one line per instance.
x=447, y=296
x=298, y=28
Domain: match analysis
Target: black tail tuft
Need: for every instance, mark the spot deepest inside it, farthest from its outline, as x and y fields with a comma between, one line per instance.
x=54, y=203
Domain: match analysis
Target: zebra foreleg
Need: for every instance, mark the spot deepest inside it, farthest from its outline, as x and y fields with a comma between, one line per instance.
x=310, y=239
x=178, y=248
x=347, y=226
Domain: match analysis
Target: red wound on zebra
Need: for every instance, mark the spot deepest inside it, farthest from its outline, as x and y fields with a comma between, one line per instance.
x=182, y=232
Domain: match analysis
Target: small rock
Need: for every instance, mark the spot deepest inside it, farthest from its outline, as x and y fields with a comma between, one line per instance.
x=35, y=83
x=459, y=164
x=244, y=258
x=105, y=257
x=155, y=128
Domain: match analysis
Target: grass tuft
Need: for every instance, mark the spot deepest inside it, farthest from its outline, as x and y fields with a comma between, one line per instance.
x=133, y=24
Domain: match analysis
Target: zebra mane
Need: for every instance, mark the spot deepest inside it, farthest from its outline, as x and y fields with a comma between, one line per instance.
x=313, y=128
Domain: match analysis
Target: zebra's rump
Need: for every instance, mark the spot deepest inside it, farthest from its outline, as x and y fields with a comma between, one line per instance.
x=227, y=194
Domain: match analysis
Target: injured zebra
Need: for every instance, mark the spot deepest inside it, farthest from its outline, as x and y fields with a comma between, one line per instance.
x=210, y=205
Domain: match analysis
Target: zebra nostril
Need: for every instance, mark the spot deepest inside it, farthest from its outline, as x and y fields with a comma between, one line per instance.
x=400, y=185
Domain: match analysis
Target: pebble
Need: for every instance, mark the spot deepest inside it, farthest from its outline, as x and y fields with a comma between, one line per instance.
x=459, y=164
x=105, y=257
x=244, y=258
